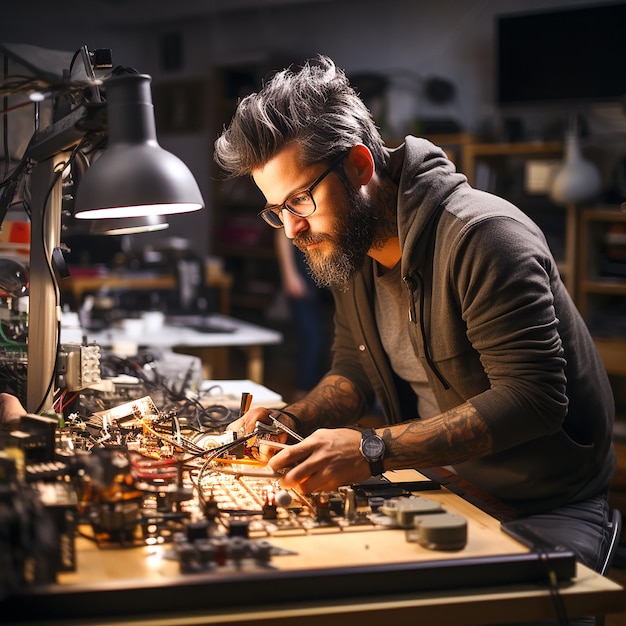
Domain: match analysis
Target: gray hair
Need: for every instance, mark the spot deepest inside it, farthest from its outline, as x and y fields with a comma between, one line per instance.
x=314, y=106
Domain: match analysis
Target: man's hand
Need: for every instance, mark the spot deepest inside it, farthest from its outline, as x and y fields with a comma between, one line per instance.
x=325, y=460
x=247, y=422
x=10, y=411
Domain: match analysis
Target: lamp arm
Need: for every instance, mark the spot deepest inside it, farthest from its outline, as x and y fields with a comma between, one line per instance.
x=46, y=149
x=43, y=307
x=68, y=131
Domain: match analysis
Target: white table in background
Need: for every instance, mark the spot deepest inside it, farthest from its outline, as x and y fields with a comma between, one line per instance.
x=212, y=347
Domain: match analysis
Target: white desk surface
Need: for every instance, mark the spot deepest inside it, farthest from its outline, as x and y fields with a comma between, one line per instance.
x=236, y=333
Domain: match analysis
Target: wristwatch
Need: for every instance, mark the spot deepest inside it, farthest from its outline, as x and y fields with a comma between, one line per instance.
x=373, y=449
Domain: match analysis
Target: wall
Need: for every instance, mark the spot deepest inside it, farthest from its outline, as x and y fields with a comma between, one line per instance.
x=452, y=39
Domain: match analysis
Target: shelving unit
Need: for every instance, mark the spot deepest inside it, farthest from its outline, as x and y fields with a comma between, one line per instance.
x=453, y=144
x=474, y=152
x=602, y=285
x=244, y=242
x=500, y=168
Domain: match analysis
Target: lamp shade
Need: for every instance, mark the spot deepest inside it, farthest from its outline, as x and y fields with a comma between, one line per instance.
x=134, y=176
x=128, y=225
x=577, y=180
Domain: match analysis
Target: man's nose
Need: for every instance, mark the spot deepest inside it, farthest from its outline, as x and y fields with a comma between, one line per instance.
x=294, y=225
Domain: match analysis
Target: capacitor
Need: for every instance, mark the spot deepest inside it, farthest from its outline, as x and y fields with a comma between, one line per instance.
x=262, y=551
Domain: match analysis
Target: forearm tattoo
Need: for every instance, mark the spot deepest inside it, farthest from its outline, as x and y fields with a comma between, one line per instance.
x=334, y=402
x=455, y=436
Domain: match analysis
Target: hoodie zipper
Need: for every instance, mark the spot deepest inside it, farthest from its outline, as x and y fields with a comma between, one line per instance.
x=413, y=284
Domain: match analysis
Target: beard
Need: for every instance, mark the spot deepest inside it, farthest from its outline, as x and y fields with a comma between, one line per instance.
x=351, y=238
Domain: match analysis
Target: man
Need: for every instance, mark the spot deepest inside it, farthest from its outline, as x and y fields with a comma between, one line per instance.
x=450, y=311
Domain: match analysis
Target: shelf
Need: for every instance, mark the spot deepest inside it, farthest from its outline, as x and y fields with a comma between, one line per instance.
x=78, y=286
x=472, y=152
x=613, y=353
x=604, y=214
x=610, y=286
x=500, y=168
x=513, y=148
x=599, y=296
x=594, y=223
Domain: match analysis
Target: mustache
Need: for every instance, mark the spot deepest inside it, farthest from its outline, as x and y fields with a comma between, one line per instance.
x=304, y=240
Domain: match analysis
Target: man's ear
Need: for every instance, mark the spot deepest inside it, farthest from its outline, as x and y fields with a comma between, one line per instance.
x=360, y=164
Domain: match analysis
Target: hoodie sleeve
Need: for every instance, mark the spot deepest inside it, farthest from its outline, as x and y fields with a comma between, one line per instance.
x=506, y=281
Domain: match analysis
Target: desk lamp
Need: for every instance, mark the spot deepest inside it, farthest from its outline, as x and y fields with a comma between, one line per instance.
x=134, y=177
x=128, y=225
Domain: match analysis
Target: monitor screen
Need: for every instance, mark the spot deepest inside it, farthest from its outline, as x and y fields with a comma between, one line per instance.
x=561, y=56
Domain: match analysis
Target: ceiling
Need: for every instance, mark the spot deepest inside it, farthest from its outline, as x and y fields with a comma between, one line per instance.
x=117, y=12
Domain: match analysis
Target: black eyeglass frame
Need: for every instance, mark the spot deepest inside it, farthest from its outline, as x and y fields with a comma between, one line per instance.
x=274, y=212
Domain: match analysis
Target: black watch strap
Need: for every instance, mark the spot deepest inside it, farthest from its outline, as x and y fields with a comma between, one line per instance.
x=377, y=468
x=371, y=441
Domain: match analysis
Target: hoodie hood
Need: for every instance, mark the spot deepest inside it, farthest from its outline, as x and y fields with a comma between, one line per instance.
x=426, y=178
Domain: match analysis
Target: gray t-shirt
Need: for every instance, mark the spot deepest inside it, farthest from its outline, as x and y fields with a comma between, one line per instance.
x=391, y=318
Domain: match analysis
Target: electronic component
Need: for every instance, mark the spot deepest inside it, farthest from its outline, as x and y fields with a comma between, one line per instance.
x=440, y=531
x=60, y=501
x=78, y=366
x=131, y=474
x=37, y=435
x=402, y=511
x=29, y=540
x=425, y=521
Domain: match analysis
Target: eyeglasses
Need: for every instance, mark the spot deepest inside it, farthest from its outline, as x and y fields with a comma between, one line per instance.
x=300, y=203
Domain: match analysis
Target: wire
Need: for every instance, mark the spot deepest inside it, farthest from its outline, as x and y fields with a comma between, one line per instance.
x=202, y=417
x=198, y=451
x=53, y=375
x=52, y=275
x=10, y=343
x=48, y=257
x=61, y=403
x=213, y=454
x=25, y=84
x=8, y=109
x=74, y=57
x=5, y=122
x=57, y=176
x=553, y=585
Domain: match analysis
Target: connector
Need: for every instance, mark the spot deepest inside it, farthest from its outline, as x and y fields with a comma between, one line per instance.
x=78, y=366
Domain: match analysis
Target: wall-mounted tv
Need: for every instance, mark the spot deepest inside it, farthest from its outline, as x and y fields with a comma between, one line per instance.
x=571, y=56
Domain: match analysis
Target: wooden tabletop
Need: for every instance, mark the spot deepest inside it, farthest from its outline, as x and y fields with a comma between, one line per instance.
x=149, y=583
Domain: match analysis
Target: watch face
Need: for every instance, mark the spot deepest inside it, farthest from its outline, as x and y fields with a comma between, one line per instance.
x=373, y=447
